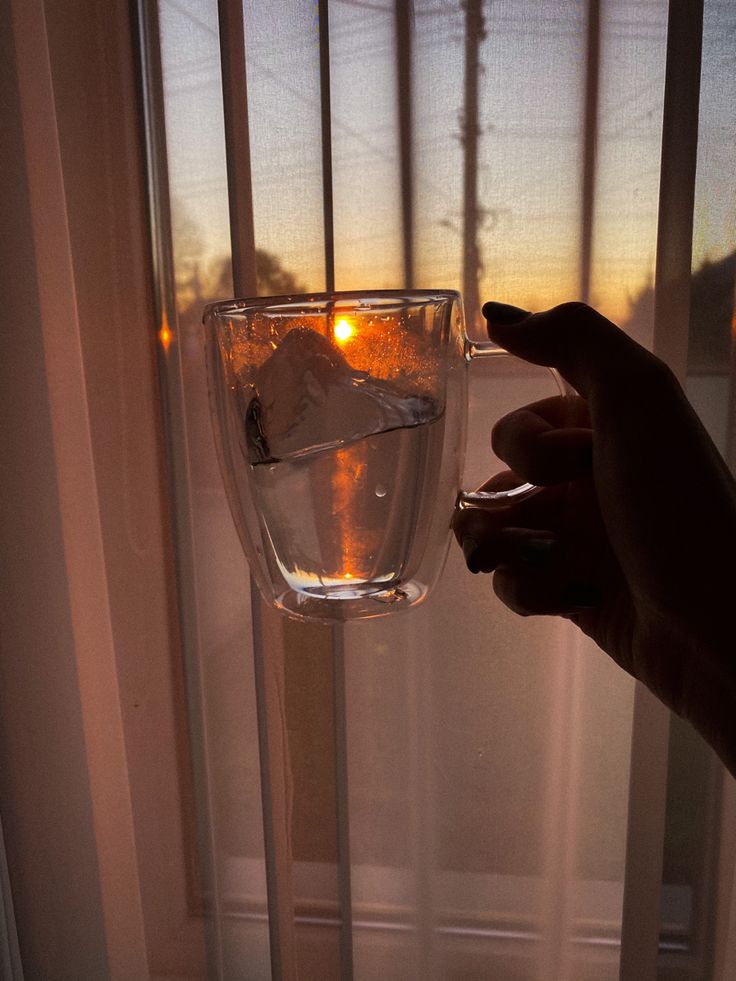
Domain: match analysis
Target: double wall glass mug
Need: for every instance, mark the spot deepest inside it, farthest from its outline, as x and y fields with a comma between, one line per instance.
x=339, y=421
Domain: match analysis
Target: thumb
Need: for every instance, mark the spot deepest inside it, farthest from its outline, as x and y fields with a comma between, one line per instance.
x=589, y=351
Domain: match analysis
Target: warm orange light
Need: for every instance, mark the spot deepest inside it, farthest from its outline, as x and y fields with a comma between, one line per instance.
x=344, y=330
x=165, y=335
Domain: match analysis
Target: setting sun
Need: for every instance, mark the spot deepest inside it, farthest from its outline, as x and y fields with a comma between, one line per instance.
x=343, y=330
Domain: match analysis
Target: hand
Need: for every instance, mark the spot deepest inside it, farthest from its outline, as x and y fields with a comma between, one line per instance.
x=632, y=534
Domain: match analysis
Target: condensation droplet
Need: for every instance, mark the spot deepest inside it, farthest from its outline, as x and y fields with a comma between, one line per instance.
x=380, y=490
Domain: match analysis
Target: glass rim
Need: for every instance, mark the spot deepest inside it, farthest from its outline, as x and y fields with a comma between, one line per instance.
x=240, y=307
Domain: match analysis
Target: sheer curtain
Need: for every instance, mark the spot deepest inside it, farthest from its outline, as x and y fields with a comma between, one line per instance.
x=458, y=793
x=454, y=794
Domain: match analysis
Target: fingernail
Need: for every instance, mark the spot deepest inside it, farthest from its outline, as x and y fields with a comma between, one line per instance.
x=470, y=551
x=537, y=551
x=504, y=313
x=582, y=595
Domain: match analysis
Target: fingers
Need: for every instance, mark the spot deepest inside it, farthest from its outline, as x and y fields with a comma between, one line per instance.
x=542, y=510
x=538, y=451
x=638, y=411
x=545, y=593
x=672, y=536
x=589, y=351
x=562, y=412
x=525, y=547
x=546, y=442
x=536, y=573
x=548, y=551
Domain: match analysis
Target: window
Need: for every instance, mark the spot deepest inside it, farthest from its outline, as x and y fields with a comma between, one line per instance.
x=445, y=795
x=472, y=770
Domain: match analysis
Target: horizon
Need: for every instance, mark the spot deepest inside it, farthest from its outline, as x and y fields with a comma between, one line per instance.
x=530, y=174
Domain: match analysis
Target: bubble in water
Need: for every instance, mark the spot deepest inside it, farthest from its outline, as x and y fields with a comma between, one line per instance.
x=380, y=490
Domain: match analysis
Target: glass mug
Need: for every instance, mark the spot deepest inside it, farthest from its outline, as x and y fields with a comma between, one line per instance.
x=339, y=421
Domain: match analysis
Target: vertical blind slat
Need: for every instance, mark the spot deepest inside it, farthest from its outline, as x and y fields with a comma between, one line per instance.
x=176, y=445
x=644, y=838
x=649, y=741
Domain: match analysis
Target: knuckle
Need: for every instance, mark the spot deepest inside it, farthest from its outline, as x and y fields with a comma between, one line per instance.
x=658, y=371
x=575, y=310
x=650, y=375
x=473, y=523
x=499, y=438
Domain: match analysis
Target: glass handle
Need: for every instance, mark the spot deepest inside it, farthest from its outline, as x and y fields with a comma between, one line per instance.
x=475, y=499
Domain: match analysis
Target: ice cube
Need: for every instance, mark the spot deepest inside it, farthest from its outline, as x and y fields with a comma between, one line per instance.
x=306, y=397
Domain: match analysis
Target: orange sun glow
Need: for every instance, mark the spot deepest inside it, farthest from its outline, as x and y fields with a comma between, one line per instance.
x=344, y=330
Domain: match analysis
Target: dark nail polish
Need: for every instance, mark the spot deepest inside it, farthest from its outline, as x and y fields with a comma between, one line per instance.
x=470, y=551
x=582, y=596
x=537, y=551
x=504, y=313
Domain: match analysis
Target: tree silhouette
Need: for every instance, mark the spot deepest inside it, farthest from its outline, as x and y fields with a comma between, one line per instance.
x=713, y=288
x=200, y=279
x=272, y=279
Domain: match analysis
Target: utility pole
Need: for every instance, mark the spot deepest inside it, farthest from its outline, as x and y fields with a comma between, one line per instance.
x=470, y=137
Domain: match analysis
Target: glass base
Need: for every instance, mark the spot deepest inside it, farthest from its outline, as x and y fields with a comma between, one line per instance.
x=336, y=604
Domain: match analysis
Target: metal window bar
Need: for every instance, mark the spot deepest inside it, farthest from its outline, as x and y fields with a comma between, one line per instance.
x=403, y=22
x=470, y=128
x=237, y=147
x=592, y=74
x=649, y=742
x=677, y=183
x=326, y=120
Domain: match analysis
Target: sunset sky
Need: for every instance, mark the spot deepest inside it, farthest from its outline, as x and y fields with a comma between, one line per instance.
x=532, y=84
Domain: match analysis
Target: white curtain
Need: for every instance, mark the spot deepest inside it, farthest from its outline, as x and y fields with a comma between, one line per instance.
x=449, y=796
